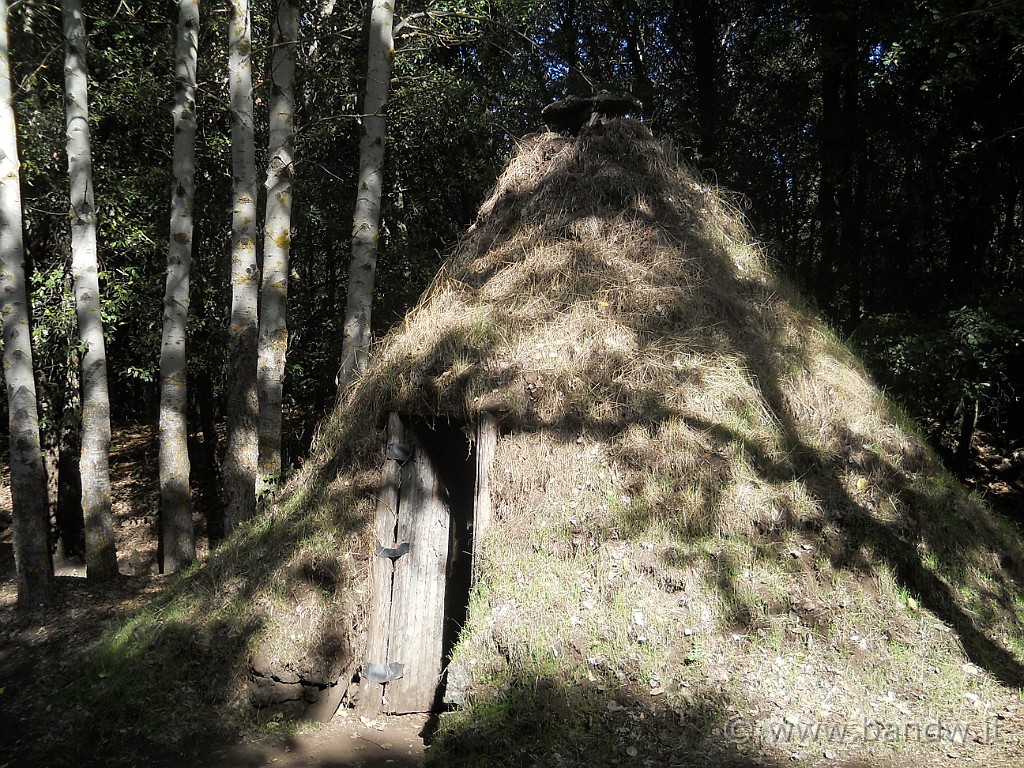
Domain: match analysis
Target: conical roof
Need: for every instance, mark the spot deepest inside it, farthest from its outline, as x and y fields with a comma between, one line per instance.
x=604, y=290
x=598, y=274
x=699, y=493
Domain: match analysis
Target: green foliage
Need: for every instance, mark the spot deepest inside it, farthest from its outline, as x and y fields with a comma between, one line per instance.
x=932, y=364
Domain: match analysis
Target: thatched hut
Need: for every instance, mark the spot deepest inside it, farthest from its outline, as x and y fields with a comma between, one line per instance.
x=610, y=457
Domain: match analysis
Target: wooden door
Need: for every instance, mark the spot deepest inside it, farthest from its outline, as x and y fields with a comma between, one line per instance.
x=404, y=644
x=434, y=496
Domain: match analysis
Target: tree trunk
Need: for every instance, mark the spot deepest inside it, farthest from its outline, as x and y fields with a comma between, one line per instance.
x=827, y=212
x=840, y=148
x=242, y=405
x=100, y=552
x=704, y=28
x=366, y=219
x=209, y=477
x=62, y=447
x=178, y=544
x=965, y=438
x=28, y=478
x=273, y=340
x=567, y=37
x=69, y=518
x=61, y=439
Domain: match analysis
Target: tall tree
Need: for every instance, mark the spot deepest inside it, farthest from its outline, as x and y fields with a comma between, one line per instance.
x=366, y=218
x=178, y=534
x=240, y=461
x=273, y=341
x=704, y=24
x=100, y=552
x=28, y=479
x=840, y=145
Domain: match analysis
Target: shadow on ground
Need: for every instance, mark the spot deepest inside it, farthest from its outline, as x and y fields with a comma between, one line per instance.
x=541, y=721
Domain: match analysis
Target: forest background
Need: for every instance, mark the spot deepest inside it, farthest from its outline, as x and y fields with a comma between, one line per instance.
x=875, y=150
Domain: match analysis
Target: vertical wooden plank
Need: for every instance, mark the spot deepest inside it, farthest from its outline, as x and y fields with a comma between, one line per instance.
x=417, y=615
x=486, y=445
x=382, y=570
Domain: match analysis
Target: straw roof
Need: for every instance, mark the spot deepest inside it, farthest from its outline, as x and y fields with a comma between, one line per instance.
x=678, y=423
x=589, y=281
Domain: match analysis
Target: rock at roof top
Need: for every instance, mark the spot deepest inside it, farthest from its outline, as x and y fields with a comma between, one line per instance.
x=570, y=114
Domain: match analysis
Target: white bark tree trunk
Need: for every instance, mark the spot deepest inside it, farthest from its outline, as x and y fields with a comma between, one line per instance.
x=366, y=219
x=28, y=477
x=178, y=533
x=242, y=404
x=273, y=341
x=100, y=552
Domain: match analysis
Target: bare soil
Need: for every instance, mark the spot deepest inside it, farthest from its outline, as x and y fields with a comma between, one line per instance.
x=997, y=476
x=395, y=743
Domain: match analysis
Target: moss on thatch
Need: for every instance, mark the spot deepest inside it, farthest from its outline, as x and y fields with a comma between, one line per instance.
x=704, y=509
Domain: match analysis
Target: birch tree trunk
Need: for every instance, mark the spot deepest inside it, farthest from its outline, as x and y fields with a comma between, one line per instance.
x=178, y=533
x=28, y=477
x=273, y=341
x=366, y=219
x=242, y=405
x=100, y=553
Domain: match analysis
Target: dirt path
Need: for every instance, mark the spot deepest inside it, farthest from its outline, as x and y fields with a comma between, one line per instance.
x=346, y=742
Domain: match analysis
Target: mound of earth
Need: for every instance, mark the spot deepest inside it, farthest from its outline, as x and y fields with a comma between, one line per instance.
x=712, y=539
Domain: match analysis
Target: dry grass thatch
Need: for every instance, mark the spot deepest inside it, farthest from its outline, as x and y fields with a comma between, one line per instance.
x=704, y=508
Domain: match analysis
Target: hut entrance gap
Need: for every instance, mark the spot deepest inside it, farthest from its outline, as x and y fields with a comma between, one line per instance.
x=433, y=499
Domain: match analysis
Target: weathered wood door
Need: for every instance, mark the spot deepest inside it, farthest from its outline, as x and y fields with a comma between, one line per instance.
x=404, y=644
x=433, y=494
